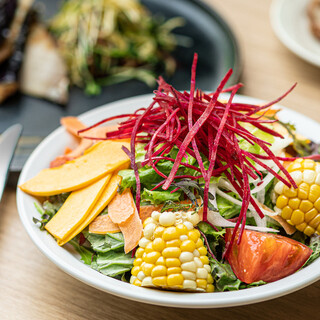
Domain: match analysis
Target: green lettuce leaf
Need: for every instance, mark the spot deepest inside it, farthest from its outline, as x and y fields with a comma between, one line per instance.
x=224, y=277
x=226, y=208
x=315, y=246
x=85, y=254
x=157, y=197
x=105, y=243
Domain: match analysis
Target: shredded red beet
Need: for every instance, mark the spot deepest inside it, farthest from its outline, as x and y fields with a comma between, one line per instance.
x=203, y=127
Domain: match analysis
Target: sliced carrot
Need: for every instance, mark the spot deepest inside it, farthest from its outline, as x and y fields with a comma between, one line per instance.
x=122, y=207
x=132, y=231
x=72, y=125
x=102, y=225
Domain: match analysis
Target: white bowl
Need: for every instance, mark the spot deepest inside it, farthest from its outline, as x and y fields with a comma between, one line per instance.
x=69, y=261
x=290, y=23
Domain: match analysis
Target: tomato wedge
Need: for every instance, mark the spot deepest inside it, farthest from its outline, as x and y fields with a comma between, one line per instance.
x=265, y=256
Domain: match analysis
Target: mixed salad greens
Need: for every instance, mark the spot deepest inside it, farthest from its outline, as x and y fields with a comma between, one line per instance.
x=223, y=186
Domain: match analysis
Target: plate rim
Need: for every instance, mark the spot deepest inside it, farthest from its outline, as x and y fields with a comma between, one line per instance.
x=284, y=37
x=171, y=299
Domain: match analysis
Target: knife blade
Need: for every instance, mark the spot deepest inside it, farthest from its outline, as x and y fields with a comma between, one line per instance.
x=8, y=143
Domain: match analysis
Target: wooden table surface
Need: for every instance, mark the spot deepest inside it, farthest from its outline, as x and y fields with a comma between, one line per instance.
x=31, y=287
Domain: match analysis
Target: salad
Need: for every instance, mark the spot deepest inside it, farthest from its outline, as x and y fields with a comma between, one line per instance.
x=192, y=193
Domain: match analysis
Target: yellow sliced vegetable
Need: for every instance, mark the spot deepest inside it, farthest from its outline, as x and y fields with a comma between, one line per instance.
x=75, y=209
x=107, y=195
x=102, y=158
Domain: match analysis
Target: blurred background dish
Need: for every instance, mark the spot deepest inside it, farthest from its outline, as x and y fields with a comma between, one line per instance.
x=205, y=31
x=292, y=22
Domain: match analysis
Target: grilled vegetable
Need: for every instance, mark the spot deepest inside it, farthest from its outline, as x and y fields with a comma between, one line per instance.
x=112, y=41
x=171, y=255
x=301, y=206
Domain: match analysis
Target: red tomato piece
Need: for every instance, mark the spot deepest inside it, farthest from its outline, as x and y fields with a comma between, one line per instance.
x=265, y=256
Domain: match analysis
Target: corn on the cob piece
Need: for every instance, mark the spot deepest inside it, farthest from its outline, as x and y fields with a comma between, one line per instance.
x=301, y=206
x=171, y=254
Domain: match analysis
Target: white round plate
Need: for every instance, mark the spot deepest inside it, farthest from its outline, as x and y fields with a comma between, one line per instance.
x=290, y=23
x=69, y=261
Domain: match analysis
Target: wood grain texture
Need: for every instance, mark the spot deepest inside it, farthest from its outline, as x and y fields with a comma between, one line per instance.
x=31, y=287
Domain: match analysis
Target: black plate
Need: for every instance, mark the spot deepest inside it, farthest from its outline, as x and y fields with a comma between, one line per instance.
x=212, y=40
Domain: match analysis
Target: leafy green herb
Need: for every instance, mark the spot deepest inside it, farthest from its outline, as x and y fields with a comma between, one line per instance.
x=49, y=208
x=315, y=246
x=85, y=254
x=189, y=187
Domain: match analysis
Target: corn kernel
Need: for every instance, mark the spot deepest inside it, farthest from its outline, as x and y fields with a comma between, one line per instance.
x=173, y=262
x=137, y=262
x=182, y=229
x=309, y=231
x=209, y=279
x=152, y=257
x=202, y=273
x=186, y=256
x=171, y=252
x=158, y=244
x=139, y=252
x=147, y=268
x=301, y=226
x=279, y=187
x=282, y=201
x=193, y=217
x=174, y=270
x=194, y=235
x=286, y=213
x=204, y=259
x=290, y=192
x=160, y=281
x=196, y=253
x=198, y=262
x=317, y=204
x=309, y=176
x=143, y=242
x=158, y=232
x=201, y=283
x=173, y=243
x=294, y=203
x=294, y=166
x=210, y=288
x=188, y=245
x=161, y=261
x=203, y=251
x=297, y=217
x=147, y=282
x=170, y=233
x=308, y=164
x=167, y=219
x=175, y=279
x=314, y=193
x=188, y=224
x=137, y=282
x=305, y=206
x=189, y=284
x=147, y=221
x=315, y=222
x=303, y=191
x=188, y=275
x=135, y=270
x=155, y=215
x=189, y=266
x=159, y=271
x=317, y=181
x=141, y=275
x=199, y=243
x=148, y=248
x=149, y=230
x=296, y=176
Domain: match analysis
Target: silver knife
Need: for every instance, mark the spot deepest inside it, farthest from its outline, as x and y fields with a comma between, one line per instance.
x=8, y=143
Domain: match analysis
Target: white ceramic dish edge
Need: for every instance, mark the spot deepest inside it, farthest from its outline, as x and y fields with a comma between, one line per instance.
x=74, y=267
x=281, y=30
